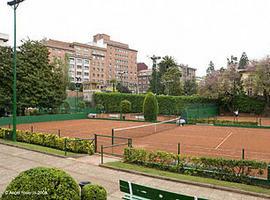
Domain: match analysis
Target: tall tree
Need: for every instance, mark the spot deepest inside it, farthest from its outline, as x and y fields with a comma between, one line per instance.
x=5, y=80
x=39, y=83
x=262, y=79
x=211, y=68
x=157, y=73
x=190, y=87
x=232, y=60
x=171, y=81
x=243, y=62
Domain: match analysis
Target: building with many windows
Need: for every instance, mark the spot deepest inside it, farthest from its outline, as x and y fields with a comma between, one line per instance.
x=99, y=61
x=144, y=77
x=187, y=73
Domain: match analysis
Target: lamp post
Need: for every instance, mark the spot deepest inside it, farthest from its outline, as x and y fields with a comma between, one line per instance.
x=14, y=4
x=154, y=59
x=77, y=84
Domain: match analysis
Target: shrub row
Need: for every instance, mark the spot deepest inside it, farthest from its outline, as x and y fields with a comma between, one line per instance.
x=167, y=104
x=225, y=122
x=218, y=168
x=52, y=141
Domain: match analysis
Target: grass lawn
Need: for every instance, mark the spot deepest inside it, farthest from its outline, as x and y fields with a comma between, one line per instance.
x=39, y=148
x=137, y=168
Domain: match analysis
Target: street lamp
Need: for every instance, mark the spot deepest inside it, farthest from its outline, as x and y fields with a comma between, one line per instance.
x=154, y=59
x=77, y=85
x=14, y=4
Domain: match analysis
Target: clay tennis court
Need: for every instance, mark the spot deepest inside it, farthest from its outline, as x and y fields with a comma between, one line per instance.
x=194, y=139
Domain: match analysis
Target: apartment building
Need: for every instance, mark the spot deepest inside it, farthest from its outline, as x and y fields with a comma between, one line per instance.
x=188, y=73
x=141, y=66
x=121, y=61
x=4, y=39
x=99, y=61
x=144, y=77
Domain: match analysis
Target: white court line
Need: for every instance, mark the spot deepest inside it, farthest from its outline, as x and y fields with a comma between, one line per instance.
x=224, y=140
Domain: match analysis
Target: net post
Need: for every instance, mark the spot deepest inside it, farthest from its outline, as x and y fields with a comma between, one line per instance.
x=59, y=133
x=129, y=142
x=32, y=129
x=178, y=153
x=9, y=125
x=260, y=121
x=95, y=138
x=102, y=154
x=65, y=146
x=112, y=136
x=243, y=154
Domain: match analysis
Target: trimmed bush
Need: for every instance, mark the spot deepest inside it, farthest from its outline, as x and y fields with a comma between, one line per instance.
x=81, y=105
x=239, y=171
x=96, y=192
x=52, y=141
x=125, y=106
x=150, y=107
x=42, y=183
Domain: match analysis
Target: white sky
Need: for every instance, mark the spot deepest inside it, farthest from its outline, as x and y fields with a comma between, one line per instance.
x=192, y=31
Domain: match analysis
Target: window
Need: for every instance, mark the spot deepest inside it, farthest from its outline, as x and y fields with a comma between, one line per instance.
x=86, y=74
x=79, y=60
x=79, y=73
x=86, y=61
x=71, y=66
x=71, y=60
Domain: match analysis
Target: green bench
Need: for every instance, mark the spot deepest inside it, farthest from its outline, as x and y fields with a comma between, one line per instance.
x=139, y=192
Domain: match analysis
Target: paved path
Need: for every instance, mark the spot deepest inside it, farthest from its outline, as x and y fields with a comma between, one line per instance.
x=14, y=160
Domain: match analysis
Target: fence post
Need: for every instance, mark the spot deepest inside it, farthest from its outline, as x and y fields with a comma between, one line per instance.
x=65, y=147
x=243, y=154
x=95, y=135
x=112, y=136
x=102, y=154
x=129, y=142
x=178, y=153
x=268, y=173
x=260, y=121
x=59, y=133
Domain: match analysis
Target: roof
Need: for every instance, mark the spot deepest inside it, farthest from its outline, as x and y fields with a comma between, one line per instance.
x=141, y=66
x=88, y=46
x=58, y=44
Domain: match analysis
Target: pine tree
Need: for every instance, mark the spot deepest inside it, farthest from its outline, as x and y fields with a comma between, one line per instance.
x=243, y=61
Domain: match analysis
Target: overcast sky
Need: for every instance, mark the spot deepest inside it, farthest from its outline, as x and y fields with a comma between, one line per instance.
x=192, y=31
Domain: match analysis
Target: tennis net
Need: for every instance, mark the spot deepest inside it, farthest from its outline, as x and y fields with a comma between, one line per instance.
x=146, y=129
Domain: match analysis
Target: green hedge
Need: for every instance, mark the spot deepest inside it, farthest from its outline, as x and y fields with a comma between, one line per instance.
x=222, y=122
x=218, y=168
x=43, y=184
x=167, y=104
x=52, y=141
x=246, y=104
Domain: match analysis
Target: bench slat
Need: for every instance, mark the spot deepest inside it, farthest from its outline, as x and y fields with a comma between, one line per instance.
x=143, y=192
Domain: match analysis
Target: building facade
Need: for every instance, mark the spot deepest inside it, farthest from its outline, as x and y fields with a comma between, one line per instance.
x=4, y=39
x=144, y=76
x=99, y=61
x=187, y=73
